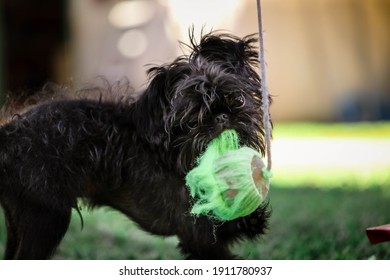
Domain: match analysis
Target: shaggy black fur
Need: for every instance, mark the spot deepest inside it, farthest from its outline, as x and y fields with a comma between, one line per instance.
x=133, y=156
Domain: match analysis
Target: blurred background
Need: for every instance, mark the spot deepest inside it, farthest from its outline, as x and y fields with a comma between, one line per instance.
x=329, y=74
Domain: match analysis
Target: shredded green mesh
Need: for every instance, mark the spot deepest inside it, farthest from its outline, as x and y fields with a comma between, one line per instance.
x=222, y=184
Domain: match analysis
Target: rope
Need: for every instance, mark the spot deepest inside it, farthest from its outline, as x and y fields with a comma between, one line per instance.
x=264, y=89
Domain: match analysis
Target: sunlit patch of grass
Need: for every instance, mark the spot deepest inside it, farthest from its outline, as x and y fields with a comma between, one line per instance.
x=347, y=130
x=332, y=155
x=329, y=177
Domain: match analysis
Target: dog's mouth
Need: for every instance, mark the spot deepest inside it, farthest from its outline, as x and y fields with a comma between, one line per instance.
x=219, y=129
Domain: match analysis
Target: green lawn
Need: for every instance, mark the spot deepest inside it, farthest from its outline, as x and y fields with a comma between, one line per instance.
x=309, y=220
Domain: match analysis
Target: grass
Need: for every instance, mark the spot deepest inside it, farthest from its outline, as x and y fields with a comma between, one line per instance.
x=310, y=219
x=314, y=223
x=306, y=223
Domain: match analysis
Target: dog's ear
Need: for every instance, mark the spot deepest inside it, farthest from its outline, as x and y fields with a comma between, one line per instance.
x=154, y=107
x=238, y=55
x=151, y=108
x=163, y=79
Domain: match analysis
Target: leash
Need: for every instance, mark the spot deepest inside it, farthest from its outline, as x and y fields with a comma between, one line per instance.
x=264, y=89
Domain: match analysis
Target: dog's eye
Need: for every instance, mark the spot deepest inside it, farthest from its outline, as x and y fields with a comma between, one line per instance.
x=239, y=101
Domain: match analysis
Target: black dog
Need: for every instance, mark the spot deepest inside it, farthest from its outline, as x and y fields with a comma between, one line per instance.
x=133, y=156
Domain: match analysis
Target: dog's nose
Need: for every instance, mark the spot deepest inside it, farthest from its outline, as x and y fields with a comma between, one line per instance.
x=221, y=118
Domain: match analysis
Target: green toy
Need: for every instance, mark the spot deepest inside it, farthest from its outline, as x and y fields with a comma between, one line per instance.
x=229, y=181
